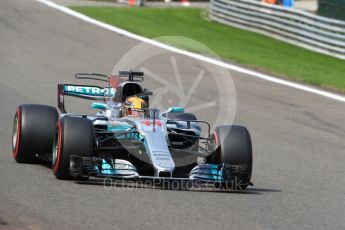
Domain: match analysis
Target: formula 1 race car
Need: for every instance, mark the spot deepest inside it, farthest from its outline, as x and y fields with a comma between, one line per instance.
x=126, y=139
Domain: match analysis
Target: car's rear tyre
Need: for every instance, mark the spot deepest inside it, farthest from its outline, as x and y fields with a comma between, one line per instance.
x=234, y=149
x=33, y=132
x=181, y=116
x=184, y=162
x=74, y=136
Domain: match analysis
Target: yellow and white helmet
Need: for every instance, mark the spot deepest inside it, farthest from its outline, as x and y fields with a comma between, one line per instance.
x=134, y=106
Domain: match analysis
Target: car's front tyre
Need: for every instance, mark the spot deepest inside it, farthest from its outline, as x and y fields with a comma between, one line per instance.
x=233, y=148
x=74, y=136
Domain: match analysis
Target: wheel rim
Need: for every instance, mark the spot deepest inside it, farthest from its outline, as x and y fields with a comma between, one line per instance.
x=55, y=147
x=15, y=133
x=215, y=140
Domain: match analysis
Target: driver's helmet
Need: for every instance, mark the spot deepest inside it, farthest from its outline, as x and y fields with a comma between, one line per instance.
x=134, y=107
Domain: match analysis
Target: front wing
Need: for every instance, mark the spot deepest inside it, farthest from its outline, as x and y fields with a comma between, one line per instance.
x=219, y=175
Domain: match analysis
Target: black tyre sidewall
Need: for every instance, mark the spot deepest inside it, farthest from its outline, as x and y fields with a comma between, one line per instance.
x=184, y=169
x=75, y=136
x=234, y=146
x=36, y=128
x=181, y=116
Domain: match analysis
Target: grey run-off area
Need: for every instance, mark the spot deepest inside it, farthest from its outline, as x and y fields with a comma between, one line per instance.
x=298, y=141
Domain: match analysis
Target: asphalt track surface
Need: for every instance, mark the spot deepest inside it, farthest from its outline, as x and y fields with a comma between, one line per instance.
x=298, y=139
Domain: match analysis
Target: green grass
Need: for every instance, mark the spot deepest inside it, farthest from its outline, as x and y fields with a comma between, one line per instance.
x=238, y=46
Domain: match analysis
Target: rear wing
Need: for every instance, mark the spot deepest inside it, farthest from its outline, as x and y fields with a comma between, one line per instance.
x=88, y=92
x=130, y=75
x=91, y=92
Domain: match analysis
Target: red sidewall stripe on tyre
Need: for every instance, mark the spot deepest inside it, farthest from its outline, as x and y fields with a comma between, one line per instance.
x=57, y=161
x=216, y=138
x=19, y=120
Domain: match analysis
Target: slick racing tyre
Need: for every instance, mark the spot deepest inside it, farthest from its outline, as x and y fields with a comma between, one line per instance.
x=74, y=136
x=181, y=116
x=234, y=150
x=33, y=132
x=184, y=162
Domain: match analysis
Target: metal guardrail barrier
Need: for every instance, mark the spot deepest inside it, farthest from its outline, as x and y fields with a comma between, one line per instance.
x=297, y=27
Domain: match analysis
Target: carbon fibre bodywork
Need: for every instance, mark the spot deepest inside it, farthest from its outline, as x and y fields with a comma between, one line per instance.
x=152, y=146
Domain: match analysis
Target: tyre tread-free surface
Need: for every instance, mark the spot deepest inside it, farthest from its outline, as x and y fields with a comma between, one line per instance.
x=35, y=131
x=75, y=136
x=235, y=146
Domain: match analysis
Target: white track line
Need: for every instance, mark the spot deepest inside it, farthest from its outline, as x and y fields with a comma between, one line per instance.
x=193, y=55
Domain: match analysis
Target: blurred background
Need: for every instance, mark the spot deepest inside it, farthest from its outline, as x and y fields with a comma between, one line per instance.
x=302, y=40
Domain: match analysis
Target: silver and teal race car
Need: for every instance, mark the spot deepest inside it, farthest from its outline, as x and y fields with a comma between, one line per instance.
x=126, y=139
